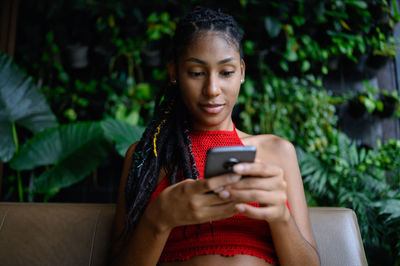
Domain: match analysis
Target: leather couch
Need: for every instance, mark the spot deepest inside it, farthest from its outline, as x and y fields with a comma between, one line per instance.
x=79, y=234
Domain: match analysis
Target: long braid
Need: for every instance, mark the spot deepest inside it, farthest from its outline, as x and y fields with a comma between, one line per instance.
x=166, y=143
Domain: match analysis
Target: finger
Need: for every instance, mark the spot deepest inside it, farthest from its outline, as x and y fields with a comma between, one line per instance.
x=269, y=213
x=221, y=211
x=200, y=203
x=217, y=183
x=260, y=196
x=269, y=184
x=257, y=169
x=213, y=199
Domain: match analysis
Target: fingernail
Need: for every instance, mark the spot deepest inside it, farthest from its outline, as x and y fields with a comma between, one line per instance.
x=224, y=194
x=218, y=189
x=240, y=208
x=235, y=177
x=238, y=168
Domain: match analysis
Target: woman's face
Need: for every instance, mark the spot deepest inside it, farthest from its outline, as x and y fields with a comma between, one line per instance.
x=209, y=76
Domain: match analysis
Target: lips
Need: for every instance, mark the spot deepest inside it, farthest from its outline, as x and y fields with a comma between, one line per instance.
x=212, y=108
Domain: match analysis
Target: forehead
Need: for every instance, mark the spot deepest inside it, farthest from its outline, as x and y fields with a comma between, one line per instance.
x=211, y=46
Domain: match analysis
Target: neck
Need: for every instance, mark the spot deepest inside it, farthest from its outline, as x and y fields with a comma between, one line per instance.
x=224, y=126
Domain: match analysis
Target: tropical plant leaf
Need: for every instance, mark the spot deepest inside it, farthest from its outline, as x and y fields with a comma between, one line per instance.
x=353, y=154
x=322, y=178
x=21, y=103
x=74, y=150
x=44, y=148
x=122, y=133
x=272, y=26
x=391, y=207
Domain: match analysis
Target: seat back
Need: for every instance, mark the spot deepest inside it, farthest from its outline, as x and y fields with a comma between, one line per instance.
x=79, y=234
x=55, y=233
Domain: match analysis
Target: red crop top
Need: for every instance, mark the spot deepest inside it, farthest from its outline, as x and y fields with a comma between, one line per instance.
x=228, y=237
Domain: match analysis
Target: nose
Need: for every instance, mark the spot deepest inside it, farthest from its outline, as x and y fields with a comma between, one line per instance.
x=211, y=86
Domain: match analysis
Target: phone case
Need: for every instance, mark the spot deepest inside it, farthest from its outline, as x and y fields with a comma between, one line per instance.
x=220, y=160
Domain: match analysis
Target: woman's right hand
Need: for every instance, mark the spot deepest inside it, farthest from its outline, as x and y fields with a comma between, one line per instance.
x=188, y=202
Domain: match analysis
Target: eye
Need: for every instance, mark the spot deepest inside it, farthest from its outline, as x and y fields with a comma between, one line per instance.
x=196, y=74
x=227, y=73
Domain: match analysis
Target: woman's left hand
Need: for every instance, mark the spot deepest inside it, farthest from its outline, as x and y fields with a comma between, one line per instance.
x=264, y=184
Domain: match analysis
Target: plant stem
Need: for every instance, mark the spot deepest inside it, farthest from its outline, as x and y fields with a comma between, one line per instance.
x=19, y=181
x=20, y=188
x=15, y=136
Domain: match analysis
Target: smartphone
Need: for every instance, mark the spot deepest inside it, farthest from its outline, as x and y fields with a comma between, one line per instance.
x=220, y=160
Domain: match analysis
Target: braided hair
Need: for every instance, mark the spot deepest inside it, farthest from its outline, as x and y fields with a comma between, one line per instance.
x=166, y=144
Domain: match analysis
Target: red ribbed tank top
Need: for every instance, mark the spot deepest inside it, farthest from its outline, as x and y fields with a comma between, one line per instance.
x=228, y=237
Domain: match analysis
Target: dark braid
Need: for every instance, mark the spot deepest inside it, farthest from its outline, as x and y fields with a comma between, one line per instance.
x=166, y=143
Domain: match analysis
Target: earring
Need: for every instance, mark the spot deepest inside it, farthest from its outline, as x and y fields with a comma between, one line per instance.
x=173, y=82
x=241, y=81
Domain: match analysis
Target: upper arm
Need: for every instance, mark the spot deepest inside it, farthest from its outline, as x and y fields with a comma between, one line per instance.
x=295, y=190
x=120, y=213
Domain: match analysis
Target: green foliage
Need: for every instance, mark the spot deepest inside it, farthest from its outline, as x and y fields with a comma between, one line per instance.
x=317, y=37
x=296, y=109
x=159, y=25
x=58, y=156
x=336, y=172
x=73, y=151
x=361, y=180
x=20, y=104
x=123, y=134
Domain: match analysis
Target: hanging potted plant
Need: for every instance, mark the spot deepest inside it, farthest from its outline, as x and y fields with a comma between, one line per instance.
x=78, y=55
x=356, y=106
x=80, y=31
x=390, y=102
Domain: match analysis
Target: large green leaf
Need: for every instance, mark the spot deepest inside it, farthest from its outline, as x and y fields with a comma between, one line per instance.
x=74, y=151
x=20, y=103
x=122, y=133
x=44, y=148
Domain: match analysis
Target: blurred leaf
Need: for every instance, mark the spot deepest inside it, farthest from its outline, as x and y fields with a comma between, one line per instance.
x=248, y=47
x=122, y=133
x=395, y=9
x=273, y=26
x=20, y=103
x=248, y=87
x=344, y=25
x=291, y=50
x=143, y=91
x=284, y=65
x=390, y=207
x=299, y=20
x=305, y=66
x=359, y=4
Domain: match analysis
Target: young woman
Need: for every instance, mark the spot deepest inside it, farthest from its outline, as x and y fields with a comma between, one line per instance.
x=165, y=213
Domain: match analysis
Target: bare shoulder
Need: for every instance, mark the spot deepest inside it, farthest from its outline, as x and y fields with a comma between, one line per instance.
x=270, y=146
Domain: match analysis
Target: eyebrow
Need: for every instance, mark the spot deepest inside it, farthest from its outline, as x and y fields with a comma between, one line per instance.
x=223, y=61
